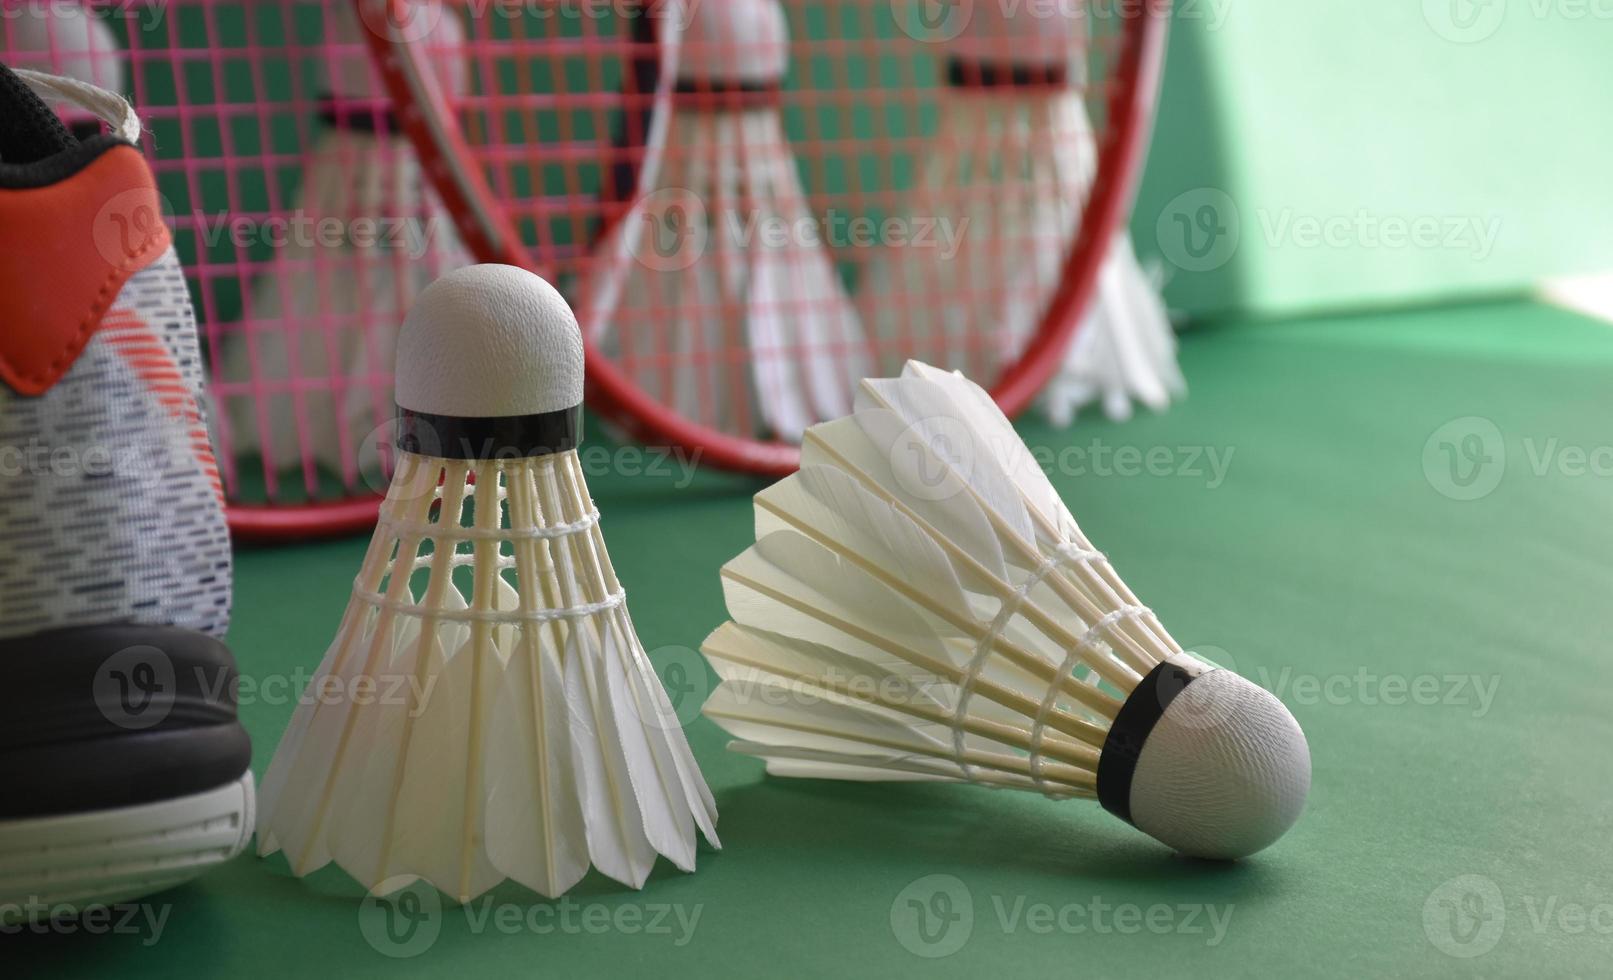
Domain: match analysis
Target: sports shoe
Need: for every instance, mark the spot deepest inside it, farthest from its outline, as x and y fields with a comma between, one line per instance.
x=123, y=767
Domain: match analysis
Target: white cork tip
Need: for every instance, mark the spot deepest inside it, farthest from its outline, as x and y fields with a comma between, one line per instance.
x=736, y=41
x=1224, y=772
x=489, y=341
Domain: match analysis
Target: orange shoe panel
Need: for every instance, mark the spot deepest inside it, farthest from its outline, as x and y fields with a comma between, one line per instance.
x=65, y=252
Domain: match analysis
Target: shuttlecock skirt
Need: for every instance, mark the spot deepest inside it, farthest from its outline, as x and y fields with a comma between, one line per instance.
x=1011, y=171
x=486, y=709
x=716, y=293
x=306, y=377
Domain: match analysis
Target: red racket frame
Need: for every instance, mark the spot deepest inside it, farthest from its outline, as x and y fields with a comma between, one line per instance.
x=491, y=237
x=265, y=523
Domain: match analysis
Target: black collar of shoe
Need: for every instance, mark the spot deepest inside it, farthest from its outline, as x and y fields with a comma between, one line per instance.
x=36, y=149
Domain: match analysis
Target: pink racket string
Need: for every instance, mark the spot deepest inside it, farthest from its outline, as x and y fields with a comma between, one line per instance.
x=310, y=202
x=301, y=216
x=842, y=185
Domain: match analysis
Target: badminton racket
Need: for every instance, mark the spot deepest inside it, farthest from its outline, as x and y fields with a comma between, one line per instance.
x=576, y=122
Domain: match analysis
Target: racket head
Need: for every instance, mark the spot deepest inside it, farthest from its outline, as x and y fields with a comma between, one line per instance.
x=242, y=104
x=542, y=190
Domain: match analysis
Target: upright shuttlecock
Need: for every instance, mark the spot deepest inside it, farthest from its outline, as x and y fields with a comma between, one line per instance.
x=1014, y=159
x=919, y=604
x=309, y=368
x=62, y=38
x=715, y=291
x=486, y=710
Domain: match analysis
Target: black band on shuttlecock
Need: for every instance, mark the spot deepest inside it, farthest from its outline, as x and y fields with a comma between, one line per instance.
x=1117, y=763
x=358, y=116
x=497, y=437
x=964, y=73
x=725, y=96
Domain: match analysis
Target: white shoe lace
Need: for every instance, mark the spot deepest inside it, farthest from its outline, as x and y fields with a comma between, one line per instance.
x=110, y=106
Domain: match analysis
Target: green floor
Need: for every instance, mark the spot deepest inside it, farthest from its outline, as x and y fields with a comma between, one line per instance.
x=1448, y=658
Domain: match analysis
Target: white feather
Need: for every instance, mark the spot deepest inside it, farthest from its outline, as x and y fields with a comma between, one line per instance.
x=617, y=841
x=310, y=366
x=867, y=637
x=749, y=331
x=1014, y=168
x=295, y=805
x=534, y=740
x=417, y=808
x=535, y=828
x=828, y=505
x=535, y=823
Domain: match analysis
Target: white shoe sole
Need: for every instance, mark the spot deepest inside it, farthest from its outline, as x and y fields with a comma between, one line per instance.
x=63, y=864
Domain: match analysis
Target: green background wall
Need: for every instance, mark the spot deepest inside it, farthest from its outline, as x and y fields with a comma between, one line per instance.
x=1478, y=118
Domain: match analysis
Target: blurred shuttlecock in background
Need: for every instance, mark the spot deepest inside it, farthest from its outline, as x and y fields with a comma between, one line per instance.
x=1124, y=350
x=62, y=38
x=1014, y=160
x=310, y=367
x=919, y=605
x=693, y=292
x=530, y=736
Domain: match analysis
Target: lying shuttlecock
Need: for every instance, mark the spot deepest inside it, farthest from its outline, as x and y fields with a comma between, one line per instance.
x=919, y=604
x=513, y=726
x=694, y=274
x=307, y=375
x=1016, y=156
